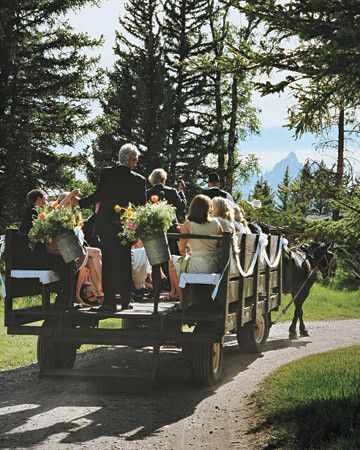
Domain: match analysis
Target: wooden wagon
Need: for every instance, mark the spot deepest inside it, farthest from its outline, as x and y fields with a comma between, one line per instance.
x=238, y=300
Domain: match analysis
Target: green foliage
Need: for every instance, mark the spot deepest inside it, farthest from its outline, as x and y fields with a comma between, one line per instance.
x=50, y=224
x=314, y=402
x=145, y=220
x=46, y=84
x=344, y=234
x=327, y=50
x=177, y=110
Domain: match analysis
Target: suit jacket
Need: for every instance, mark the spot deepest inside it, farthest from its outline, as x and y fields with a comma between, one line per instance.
x=30, y=214
x=215, y=192
x=170, y=195
x=118, y=186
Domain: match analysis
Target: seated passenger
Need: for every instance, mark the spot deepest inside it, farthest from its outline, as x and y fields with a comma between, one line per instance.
x=241, y=224
x=34, y=200
x=197, y=255
x=223, y=210
x=93, y=256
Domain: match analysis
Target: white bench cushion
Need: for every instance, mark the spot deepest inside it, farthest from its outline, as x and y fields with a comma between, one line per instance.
x=44, y=276
x=199, y=278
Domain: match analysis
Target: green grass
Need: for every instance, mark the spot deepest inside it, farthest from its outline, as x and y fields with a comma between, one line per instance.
x=325, y=303
x=313, y=403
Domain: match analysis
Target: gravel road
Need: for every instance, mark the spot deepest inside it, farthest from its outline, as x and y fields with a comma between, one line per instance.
x=89, y=410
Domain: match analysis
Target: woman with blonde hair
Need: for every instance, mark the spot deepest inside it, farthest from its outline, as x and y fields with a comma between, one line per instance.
x=240, y=222
x=223, y=210
x=197, y=255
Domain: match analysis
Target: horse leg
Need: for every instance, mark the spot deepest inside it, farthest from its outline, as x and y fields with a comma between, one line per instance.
x=292, y=328
x=302, y=328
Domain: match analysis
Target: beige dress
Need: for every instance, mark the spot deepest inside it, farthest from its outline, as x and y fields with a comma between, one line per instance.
x=204, y=252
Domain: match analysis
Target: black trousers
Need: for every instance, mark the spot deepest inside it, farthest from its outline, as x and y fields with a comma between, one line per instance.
x=116, y=269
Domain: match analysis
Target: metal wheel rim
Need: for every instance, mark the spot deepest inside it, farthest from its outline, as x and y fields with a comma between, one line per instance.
x=216, y=356
x=259, y=329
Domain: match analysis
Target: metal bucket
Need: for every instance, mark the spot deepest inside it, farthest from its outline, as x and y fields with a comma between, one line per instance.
x=157, y=248
x=69, y=246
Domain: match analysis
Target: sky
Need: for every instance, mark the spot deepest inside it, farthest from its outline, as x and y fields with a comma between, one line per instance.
x=274, y=142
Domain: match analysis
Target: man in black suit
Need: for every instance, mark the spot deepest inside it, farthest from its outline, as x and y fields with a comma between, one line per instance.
x=118, y=185
x=214, y=190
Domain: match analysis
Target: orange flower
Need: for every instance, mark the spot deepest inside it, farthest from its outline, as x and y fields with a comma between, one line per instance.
x=41, y=216
x=117, y=208
x=154, y=198
x=55, y=205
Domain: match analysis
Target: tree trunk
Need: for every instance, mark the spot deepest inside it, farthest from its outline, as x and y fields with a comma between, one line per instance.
x=340, y=158
x=232, y=136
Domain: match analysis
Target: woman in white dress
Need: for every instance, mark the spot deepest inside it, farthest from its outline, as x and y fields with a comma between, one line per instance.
x=197, y=255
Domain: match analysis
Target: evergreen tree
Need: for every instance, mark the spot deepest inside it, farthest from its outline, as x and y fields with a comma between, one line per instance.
x=284, y=192
x=136, y=105
x=46, y=82
x=262, y=191
x=231, y=116
x=185, y=40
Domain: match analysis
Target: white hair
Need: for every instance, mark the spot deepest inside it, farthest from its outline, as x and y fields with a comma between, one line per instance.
x=127, y=152
x=157, y=176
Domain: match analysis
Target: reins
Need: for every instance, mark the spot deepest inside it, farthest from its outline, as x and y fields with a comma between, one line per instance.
x=313, y=270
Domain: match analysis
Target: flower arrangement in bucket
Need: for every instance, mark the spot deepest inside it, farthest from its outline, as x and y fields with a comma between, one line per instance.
x=149, y=223
x=56, y=227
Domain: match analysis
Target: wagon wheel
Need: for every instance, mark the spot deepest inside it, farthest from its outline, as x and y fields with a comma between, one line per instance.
x=206, y=360
x=52, y=355
x=252, y=336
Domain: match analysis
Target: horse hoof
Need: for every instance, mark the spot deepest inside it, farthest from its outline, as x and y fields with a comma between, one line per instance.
x=304, y=333
x=292, y=335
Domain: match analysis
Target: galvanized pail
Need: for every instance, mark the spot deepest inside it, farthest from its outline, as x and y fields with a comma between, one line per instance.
x=69, y=246
x=157, y=248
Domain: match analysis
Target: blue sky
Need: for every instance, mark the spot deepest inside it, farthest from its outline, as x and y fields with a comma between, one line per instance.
x=273, y=144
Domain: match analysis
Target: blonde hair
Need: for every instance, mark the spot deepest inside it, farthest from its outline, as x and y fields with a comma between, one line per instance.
x=238, y=213
x=223, y=208
x=157, y=176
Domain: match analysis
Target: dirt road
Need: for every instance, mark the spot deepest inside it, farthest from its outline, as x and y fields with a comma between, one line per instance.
x=131, y=413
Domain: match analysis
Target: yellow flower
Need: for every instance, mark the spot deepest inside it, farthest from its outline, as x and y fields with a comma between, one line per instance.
x=117, y=208
x=129, y=213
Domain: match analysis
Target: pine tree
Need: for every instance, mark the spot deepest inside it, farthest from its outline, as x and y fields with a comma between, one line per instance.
x=136, y=106
x=284, y=192
x=262, y=191
x=185, y=40
x=46, y=83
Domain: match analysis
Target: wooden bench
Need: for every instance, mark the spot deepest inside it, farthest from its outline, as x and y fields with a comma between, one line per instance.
x=29, y=273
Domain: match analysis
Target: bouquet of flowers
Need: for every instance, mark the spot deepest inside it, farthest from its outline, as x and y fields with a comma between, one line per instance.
x=51, y=222
x=141, y=221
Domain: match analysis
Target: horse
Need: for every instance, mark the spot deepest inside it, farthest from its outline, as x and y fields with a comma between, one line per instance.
x=300, y=267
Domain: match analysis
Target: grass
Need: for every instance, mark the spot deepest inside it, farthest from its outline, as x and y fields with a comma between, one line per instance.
x=313, y=403
x=325, y=303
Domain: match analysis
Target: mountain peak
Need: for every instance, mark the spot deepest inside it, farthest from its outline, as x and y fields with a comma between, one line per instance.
x=275, y=176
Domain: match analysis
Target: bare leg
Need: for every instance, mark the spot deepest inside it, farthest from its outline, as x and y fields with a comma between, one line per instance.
x=175, y=289
x=95, y=266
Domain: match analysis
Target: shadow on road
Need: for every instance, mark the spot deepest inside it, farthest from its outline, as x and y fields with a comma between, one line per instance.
x=79, y=409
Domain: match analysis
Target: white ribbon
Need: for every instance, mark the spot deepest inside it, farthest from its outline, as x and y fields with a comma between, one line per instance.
x=263, y=241
x=250, y=270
